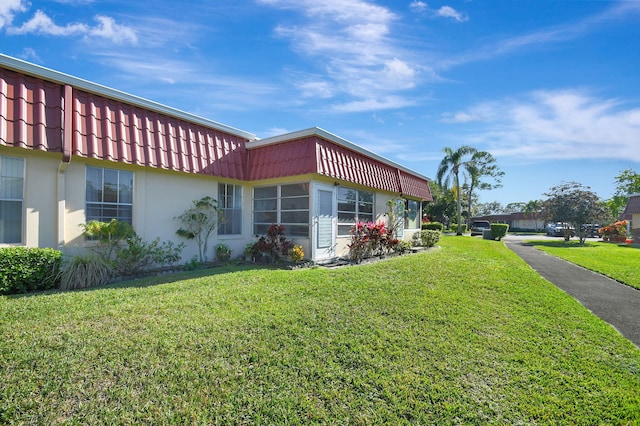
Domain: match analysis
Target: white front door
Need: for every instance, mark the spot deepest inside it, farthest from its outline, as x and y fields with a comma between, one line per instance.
x=325, y=223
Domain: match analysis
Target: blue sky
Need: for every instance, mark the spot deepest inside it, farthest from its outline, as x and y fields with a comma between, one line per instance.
x=550, y=88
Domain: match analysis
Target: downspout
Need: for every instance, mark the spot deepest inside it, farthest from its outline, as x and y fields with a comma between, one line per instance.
x=67, y=137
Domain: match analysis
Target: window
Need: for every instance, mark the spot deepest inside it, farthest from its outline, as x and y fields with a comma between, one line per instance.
x=109, y=195
x=353, y=205
x=412, y=214
x=230, y=204
x=11, y=194
x=287, y=205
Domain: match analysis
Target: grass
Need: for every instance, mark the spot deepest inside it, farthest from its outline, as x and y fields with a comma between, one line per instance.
x=465, y=334
x=619, y=262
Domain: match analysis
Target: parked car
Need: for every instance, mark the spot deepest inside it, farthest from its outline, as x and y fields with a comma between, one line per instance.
x=558, y=229
x=478, y=226
x=591, y=229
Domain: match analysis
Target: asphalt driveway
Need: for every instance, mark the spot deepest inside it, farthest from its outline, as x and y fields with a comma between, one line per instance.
x=615, y=303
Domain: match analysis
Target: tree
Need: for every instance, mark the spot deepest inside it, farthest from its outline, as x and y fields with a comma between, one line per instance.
x=482, y=164
x=627, y=183
x=572, y=203
x=199, y=222
x=449, y=170
x=534, y=207
x=443, y=205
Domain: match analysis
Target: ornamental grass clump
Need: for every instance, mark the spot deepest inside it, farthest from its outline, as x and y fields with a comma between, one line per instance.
x=87, y=270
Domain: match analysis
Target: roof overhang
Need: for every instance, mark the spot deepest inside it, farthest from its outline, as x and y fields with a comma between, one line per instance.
x=62, y=78
x=318, y=132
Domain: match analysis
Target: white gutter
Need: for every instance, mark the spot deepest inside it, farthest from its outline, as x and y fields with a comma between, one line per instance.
x=58, y=77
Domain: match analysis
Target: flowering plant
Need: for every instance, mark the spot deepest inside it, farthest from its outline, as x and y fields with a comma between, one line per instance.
x=617, y=228
x=370, y=239
x=296, y=254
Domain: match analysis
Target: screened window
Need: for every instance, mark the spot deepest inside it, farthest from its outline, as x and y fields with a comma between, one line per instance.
x=353, y=205
x=109, y=195
x=286, y=205
x=412, y=214
x=230, y=204
x=11, y=195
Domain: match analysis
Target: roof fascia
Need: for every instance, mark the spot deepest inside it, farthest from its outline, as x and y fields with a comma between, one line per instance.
x=62, y=78
x=316, y=131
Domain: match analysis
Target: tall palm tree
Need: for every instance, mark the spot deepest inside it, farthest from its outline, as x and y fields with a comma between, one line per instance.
x=449, y=169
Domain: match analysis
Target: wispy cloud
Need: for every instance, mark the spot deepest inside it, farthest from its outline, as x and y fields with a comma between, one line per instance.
x=423, y=8
x=563, y=125
x=356, y=54
x=8, y=10
x=106, y=28
x=556, y=34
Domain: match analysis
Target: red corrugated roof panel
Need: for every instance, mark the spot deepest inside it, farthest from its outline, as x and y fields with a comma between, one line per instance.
x=414, y=186
x=30, y=112
x=112, y=130
x=284, y=159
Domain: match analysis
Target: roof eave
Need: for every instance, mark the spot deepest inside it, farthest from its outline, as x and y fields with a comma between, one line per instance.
x=62, y=78
x=317, y=131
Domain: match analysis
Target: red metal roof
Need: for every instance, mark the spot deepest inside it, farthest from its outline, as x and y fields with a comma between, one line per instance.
x=54, y=112
x=30, y=112
x=112, y=130
x=313, y=154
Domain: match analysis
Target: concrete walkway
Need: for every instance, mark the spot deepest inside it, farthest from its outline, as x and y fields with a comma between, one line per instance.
x=615, y=303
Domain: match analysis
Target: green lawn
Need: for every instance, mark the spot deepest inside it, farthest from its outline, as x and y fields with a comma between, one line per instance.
x=620, y=262
x=465, y=334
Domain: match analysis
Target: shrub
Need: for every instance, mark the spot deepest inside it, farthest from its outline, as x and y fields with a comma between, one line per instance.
x=429, y=238
x=108, y=234
x=25, y=269
x=433, y=226
x=369, y=239
x=297, y=254
x=402, y=246
x=223, y=252
x=138, y=255
x=499, y=230
x=86, y=270
x=454, y=227
x=273, y=245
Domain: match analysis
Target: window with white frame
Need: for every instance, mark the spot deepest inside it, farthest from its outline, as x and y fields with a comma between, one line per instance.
x=286, y=205
x=11, y=196
x=230, y=205
x=353, y=205
x=109, y=195
x=412, y=214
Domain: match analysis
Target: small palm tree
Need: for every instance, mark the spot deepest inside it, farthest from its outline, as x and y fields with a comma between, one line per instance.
x=449, y=169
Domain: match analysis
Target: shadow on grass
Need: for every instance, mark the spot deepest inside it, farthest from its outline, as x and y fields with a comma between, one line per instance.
x=561, y=244
x=166, y=278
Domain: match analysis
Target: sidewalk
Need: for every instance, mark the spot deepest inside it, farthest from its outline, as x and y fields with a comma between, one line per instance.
x=615, y=303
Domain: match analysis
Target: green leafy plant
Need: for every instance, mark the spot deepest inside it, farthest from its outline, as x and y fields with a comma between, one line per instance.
x=429, y=238
x=223, y=252
x=272, y=245
x=433, y=226
x=296, y=254
x=199, y=222
x=462, y=230
x=108, y=234
x=87, y=270
x=499, y=230
x=25, y=269
x=137, y=255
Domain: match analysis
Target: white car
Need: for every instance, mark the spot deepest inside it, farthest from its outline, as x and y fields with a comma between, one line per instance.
x=558, y=229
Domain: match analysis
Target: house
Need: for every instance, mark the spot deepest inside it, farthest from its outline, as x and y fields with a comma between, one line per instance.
x=72, y=151
x=632, y=215
x=517, y=221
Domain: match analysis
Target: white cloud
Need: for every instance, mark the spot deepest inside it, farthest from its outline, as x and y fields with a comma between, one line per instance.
x=423, y=8
x=107, y=28
x=568, y=124
x=449, y=12
x=352, y=44
x=8, y=9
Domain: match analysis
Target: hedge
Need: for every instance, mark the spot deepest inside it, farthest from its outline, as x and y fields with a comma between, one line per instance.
x=499, y=230
x=433, y=226
x=25, y=269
